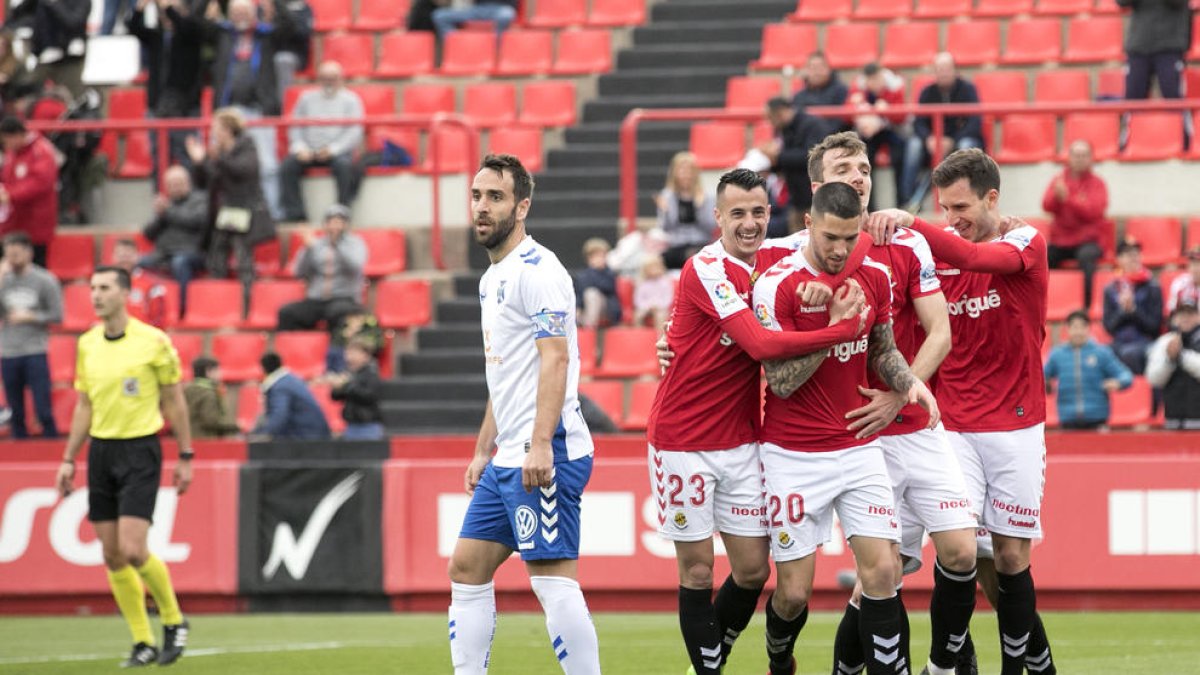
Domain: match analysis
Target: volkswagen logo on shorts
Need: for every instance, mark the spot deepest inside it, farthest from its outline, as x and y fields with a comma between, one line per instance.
x=526, y=522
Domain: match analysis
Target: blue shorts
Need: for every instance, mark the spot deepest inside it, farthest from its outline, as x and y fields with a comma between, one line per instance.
x=540, y=525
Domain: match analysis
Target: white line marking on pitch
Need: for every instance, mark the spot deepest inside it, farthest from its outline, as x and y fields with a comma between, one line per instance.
x=198, y=651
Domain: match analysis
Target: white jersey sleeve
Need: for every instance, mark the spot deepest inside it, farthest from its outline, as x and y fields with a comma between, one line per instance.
x=710, y=270
x=927, y=268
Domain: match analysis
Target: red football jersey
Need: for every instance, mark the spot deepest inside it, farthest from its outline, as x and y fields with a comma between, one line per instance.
x=813, y=418
x=992, y=379
x=149, y=299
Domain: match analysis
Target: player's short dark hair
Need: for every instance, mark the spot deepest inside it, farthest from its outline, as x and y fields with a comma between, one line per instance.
x=743, y=178
x=847, y=142
x=522, y=181
x=123, y=279
x=202, y=366
x=981, y=171
x=270, y=362
x=1079, y=315
x=871, y=68
x=838, y=200
x=11, y=125
x=18, y=238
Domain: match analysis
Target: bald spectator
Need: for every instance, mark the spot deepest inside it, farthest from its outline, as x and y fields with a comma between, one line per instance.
x=178, y=230
x=960, y=131
x=1077, y=199
x=331, y=146
x=332, y=266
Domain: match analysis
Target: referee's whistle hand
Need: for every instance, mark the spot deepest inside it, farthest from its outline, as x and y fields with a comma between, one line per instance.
x=183, y=476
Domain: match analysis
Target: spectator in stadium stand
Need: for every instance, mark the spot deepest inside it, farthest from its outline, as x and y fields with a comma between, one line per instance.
x=1077, y=199
x=448, y=16
x=1159, y=32
x=822, y=86
x=1174, y=367
x=229, y=170
x=420, y=15
x=872, y=93
x=30, y=301
x=59, y=40
x=172, y=47
x=243, y=76
x=1186, y=287
x=289, y=409
x=360, y=389
x=332, y=267
x=1132, y=307
x=331, y=146
x=360, y=325
x=207, y=408
x=760, y=164
x=295, y=48
x=596, y=287
x=961, y=131
x=685, y=211
x=653, y=295
x=28, y=200
x=148, y=292
x=178, y=230
x=15, y=80
x=1087, y=372
x=796, y=133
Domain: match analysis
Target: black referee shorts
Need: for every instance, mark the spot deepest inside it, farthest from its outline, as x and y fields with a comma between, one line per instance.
x=123, y=477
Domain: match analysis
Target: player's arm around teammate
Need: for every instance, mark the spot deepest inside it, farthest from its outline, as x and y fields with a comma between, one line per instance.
x=786, y=376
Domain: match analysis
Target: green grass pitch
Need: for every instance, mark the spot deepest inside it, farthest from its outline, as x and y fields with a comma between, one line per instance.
x=641, y=644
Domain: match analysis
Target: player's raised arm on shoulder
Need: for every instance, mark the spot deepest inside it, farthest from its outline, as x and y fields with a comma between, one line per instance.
x=764, y=345
x=993, y=257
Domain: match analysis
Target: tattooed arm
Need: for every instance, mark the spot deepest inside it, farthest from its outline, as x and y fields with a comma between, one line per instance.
x=891, y=367
x=786, y=376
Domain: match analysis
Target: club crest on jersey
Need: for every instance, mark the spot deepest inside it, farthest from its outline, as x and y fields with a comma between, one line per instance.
x=527, y=522
x=786, y=541
x=500, y=292
x=550, y=323
x=680, y=520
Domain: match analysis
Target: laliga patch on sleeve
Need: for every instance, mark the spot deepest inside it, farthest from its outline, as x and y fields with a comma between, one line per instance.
x=724, y=295
x=547, y=323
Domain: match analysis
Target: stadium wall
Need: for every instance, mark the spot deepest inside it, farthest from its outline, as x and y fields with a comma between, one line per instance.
x=1122, y=517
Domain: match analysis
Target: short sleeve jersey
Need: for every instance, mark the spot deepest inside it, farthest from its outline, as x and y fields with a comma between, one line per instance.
x=813, y=419
x=992, y=380
x=122, y=378
x=526, y=297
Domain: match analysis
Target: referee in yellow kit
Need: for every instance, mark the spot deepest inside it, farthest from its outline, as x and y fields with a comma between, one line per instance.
x=124, y=370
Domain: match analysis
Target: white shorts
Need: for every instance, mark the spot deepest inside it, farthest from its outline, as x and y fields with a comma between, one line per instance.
x=928, y=486
x=1006, y=477
x=804, y=489
x=700, y=493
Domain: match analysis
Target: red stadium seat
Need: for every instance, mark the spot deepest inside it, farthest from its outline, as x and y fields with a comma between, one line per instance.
x=1065, y=294
x=1154, y=136
x=750, y=94
x=1194, y=53
x=268, y=259
x=1100, y=280
x=212, y=304
x=943, y=9
x=641, y=400
x=586, y=338
x=1062, y=7
x=427, y=99
x=329, y=15
x=625, y=296
x=388, y=251
x=1193, y=235
x=1099, y=129
x=1161, y=239
x=379, y=100
x=404, y=54
x=1027, y=139
x=61, y=357
x=525, y=52
x=549, y=103
x=523, y=142
x=1110, y=83
x=852, y=45
x=72, y=256
x=1095, y=39
x=1062, y=86
x=973, y=43
x=1002, y=86
x=1033, y=41
x=249, y=406
x=882, y=10
x=718, y=145
x=452, y=152
x=303, y=352
x=1133, y=405
x=583, y=52
x=128, y=104
x=189, y=346
x=1003, y=8
x=331, y=408
x=78, y=314
x=828, y=10
x=377, y=17
x=612, y=13
x=629, y=352
x=266, y=297
x=468, y=52
x=238, y=354
x=491, y=104
x=355, y=52
x=609, y=395
x=557, y=14
x=786, y=44
x=403, y=303
x=910, y=45
x=62, y=406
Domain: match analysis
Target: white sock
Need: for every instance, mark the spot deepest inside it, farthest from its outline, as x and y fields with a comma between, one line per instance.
x=472, y=626
x=934, y=670
x=570, y=625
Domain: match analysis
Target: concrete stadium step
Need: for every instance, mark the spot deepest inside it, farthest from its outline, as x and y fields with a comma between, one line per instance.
x=592, y=202
x=554, y=180
x=467, y=285
x=745, y=31
x=668, y=81
x=413, y=417
x=607, y=156
x=451, y=336
x=719, y=10
x=614, y=108
x=650, y=56
x=442, y=362
x=464, y=388
x=462, y=310
x=608, y=132
x=564, y=236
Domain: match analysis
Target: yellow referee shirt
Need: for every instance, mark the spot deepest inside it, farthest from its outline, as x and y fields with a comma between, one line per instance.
x=122, y=378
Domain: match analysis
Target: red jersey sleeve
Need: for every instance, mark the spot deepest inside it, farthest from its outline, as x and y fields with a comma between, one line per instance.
x=1007, y=255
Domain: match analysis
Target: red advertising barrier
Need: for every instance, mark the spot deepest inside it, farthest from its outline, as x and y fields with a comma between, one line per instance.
x=47, y=545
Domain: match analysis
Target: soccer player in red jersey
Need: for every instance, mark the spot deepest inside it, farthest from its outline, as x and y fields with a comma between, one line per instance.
x=812, y=463
x=992, y=383
x=704, y=423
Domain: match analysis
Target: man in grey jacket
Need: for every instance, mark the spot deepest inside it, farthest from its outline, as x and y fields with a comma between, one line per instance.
x=30, y=300
x=332, y=266
x=331, y=146
x=178, y=230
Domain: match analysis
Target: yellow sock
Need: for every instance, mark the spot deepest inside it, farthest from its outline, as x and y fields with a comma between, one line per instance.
x=131, y=599
x=158, y=580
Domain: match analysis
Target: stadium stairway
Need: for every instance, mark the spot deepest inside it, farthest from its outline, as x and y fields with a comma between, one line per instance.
x=681, y=58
